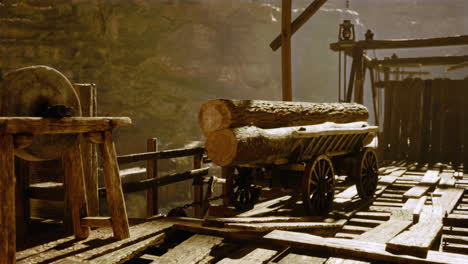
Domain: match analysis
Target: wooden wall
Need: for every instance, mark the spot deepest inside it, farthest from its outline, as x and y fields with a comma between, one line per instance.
x=426, y=120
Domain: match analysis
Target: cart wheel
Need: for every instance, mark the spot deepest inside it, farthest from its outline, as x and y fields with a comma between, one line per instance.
x=318, y=186
x=366, y=174
x=244, y=194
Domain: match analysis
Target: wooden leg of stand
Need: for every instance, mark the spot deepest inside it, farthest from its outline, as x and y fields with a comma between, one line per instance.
x=115, y=198
x=7, y=200
x=75, y=195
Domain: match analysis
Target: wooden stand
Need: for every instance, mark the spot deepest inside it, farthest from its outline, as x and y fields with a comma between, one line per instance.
x=98, y=130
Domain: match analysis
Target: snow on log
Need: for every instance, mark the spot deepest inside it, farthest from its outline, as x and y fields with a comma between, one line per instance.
x=253, y=145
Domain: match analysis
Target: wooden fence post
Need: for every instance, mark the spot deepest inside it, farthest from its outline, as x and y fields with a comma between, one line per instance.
x=152, y=172
x=198, y=188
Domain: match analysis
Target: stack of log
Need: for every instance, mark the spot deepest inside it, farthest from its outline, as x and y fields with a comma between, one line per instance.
x=254, y=131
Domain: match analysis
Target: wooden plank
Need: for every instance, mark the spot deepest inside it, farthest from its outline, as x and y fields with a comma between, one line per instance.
x=425, y=131
x=415, y=204
x=152, y=207
x=416, y=192
x=127, y=253
x=75, y=194
x=301, y=259
x=459, y=220
x=286, y=67
x=115, y=199
x=447, y=179
x=401, y=43
x=39, y=125
x=7, y=200
x=419, y=238
x=430, y=178
x=249, y=255
x=191, y=250
x=449, y=198
x=299, y=21
x=437, y=121
x=263, y=227
x=362, y=250
x=99, y=243
x=399, y=221
x=266, y=207
x=167, y=154
x=162, y=181
x=266, y=219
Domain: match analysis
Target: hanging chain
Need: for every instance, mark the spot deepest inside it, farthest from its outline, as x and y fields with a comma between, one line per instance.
x=347, y=4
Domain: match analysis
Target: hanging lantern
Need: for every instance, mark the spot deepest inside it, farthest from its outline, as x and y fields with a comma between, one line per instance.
x=369, y=35
x=346, y=31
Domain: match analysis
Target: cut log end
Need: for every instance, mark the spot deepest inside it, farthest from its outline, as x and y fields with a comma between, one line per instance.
x=222, y=147
x=214, y=115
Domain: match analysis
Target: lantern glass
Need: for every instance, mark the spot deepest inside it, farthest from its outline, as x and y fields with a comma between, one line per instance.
x=346, y=30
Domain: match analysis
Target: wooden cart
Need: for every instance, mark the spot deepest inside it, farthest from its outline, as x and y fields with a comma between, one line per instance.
x=311, y=167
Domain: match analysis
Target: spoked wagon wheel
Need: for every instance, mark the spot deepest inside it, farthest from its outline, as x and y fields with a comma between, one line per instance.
x=244, y=194
x=366, y=173
x=318, y=186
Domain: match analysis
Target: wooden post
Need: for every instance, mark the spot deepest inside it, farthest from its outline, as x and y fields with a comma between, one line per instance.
x=228, y=174
x=152, y=172
x=87, y=95
x=359, y=82
x=286, y=50
x=115, y=198
x=7, y=200
x=352, y=76
x=22, y=200
x=198, y=189
x=75, y=193
x=375, y=101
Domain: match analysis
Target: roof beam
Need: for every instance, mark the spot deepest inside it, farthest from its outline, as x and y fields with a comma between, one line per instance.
x=400, y=43
x=419, y=61
x=299, y=21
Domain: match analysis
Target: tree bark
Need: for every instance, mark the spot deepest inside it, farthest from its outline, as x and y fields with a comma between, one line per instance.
x=223, y=113
x=253, y=145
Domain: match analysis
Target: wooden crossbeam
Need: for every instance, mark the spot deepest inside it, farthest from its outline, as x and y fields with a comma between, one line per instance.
x=458, y=66
x=299, y=21
x=419, y=61
x=400, y=43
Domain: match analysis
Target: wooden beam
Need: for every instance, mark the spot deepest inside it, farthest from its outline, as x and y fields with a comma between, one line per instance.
x=39, y=125
x=419, y=61
x=167, y=154
x=401, y=43
x=286, y=67
x=457, y=67
x=299, y=21
x=353, y=248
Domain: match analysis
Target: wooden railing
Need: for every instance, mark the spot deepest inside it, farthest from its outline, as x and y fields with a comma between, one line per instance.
x=55, y=192
x=153, y=181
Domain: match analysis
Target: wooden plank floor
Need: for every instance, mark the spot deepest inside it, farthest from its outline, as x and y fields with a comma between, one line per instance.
x=276, y=230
